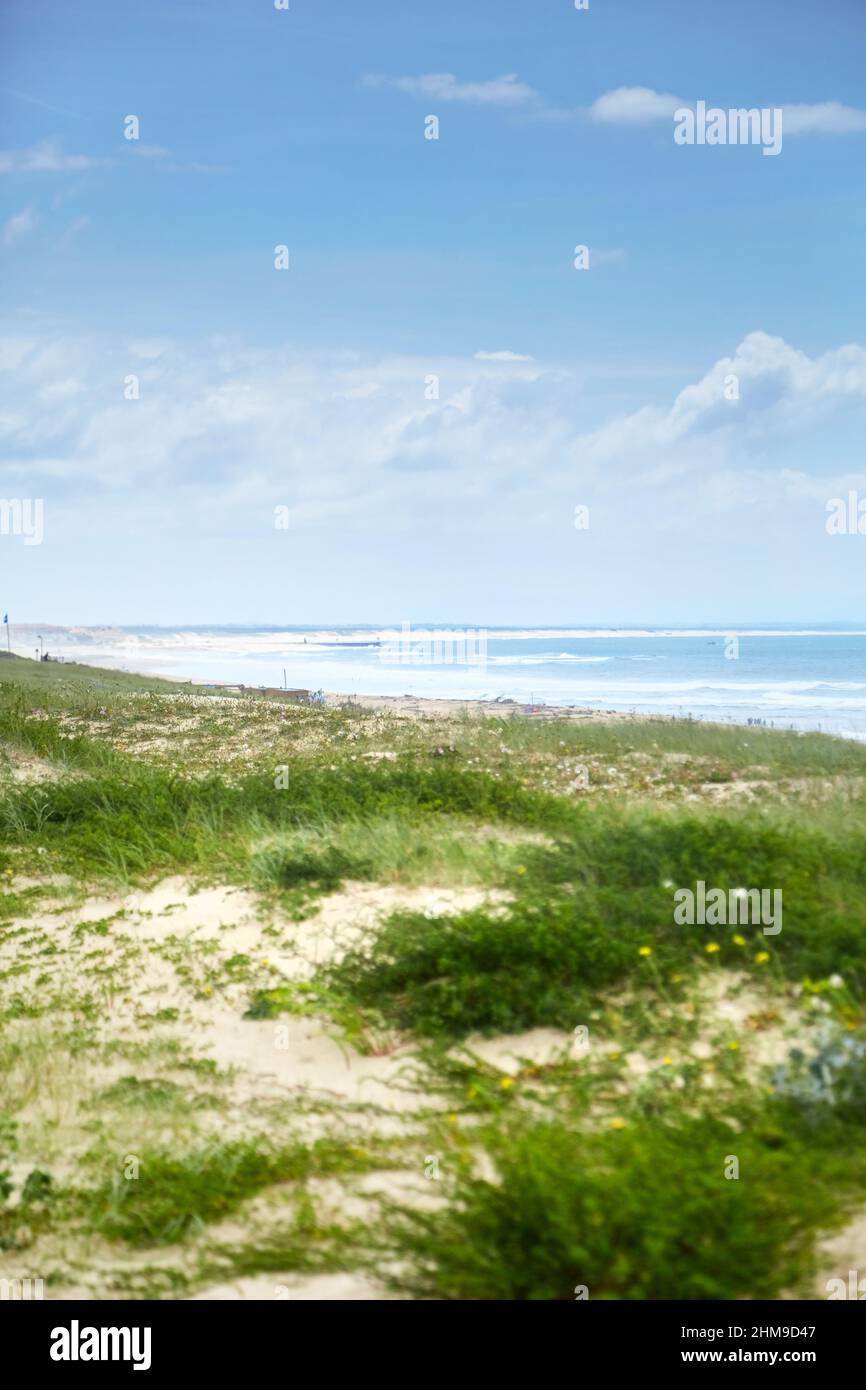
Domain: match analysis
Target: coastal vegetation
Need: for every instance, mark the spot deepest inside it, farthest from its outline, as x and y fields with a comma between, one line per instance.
x=299, y=993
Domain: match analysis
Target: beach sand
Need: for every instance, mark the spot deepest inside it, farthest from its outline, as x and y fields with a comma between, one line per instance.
x=425, y=707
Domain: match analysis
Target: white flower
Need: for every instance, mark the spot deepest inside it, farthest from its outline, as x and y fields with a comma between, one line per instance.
x=836, y=981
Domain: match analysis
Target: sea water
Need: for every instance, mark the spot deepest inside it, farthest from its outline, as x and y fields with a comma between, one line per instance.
x=785, y=678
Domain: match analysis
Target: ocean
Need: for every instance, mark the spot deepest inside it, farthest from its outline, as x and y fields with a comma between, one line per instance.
x=789, y=678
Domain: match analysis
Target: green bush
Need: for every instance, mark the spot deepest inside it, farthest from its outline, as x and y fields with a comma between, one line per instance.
x=588, y=907
x=644, y=1212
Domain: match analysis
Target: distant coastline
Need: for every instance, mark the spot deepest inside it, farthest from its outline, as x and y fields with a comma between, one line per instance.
x=146, y=635
x=798, y=677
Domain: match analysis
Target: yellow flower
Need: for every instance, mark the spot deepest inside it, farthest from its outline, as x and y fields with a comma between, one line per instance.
x=521, y=869
x=208, y=989
x=711, y=947
x=506, y=1083
x=617, y=1124
x=667, y=1061
x=676, y=979
x=265, y=960
x=762, y=957
x=738, y=940
x=645, y=951
x=452, y=1118
x=733, y=1046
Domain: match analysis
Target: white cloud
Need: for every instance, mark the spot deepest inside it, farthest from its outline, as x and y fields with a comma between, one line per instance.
x=504, y=356
x=634, y=106
x=623, y=106
x=165, y=159
x=222, y=431
x=697, y=501
x=46, y=158
x=643, y=105
x=360, y=393
x=62, y=390
x=148, y=151
x=14, y=351
x=826, y=118
x=506, y=90
x=150, y=348
x=781, y=391
x=19, y=225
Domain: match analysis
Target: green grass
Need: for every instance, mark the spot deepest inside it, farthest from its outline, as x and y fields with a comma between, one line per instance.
x=387, y=848
x=643, y=1212
x=783, y=752
x=176, y=1194
x=154, y=780
x=68, y=681
x=588, y=907
x=306, y=1243
x=139, y=819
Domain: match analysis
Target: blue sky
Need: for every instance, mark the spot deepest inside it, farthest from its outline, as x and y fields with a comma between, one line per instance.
x=409, y=258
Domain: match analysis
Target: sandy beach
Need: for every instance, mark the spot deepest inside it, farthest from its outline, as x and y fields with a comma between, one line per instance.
x=423, y=707
x=806, y=679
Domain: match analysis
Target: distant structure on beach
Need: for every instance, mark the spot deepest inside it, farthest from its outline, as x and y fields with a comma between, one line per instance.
x=278, y=691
